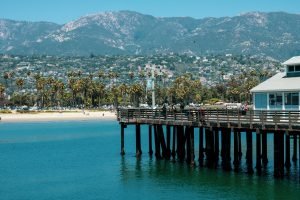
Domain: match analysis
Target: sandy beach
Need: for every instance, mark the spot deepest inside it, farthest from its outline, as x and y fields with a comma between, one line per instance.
x=58, y=116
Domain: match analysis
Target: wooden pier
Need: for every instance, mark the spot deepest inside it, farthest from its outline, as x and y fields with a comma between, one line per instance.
x=216, y=128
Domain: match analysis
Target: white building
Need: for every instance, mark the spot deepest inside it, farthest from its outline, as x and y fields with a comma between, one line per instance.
x=280, y=92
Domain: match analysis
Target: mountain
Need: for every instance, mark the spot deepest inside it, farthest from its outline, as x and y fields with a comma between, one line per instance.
x=125, y=32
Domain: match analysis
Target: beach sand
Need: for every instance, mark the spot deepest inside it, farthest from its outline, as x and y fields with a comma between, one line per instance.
x=58, y=116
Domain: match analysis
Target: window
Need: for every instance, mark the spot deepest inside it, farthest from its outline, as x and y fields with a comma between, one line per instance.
x=275, y=99
x=297, y=68
x=291, y=68
x=291, y=99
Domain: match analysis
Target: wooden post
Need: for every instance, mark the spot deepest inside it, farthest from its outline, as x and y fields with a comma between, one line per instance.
x=188, y=144
x=150, y=140
x=264, y=148
x=201, y=156
x=295, y=147
x=168, y=142
x=123, y=126
x=174, y=143
x=227, y=149
x=138, y=140
x=180, y=143
x=236, y=150
x=216, y=136
x=258, y=150
x=287, y=150
x=162, y=141
x=276, y=155
x=192, y=146
x=249, y=156
x=240, y=145
x=281, y=153
x=209, y=149
x=156, y=142
x=223, y=146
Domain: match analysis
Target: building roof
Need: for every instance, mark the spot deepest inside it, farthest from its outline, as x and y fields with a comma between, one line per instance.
x=278, y=83
x=293, y=61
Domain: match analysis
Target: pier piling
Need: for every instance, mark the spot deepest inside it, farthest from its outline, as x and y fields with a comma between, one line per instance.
x=173, y=144
x=258, y=151
x=249, y=154
x=236, y=150
x=295, y=147
x=123, y=126
x=264, y=148
x=201, y=150
x=150, y=140
x=138, y=140
x=287, y=150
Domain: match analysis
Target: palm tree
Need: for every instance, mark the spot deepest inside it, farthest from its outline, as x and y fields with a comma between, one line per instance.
x=40, y=87
x=20, y=84
x=6, y=77
x=123, y=88
x=2, y=90
x=136, y=90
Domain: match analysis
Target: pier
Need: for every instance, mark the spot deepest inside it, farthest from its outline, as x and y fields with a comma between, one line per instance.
x=174, y=136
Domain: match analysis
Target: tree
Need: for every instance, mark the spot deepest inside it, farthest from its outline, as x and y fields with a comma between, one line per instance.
x=20, y=84
x=2, y=90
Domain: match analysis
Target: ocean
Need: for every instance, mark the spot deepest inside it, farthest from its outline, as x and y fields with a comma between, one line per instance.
x=72, y=160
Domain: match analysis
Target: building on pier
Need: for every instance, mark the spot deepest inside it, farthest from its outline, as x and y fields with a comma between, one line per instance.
x=280, y=92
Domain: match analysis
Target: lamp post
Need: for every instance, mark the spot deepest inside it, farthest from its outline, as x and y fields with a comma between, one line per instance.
x=153, y=86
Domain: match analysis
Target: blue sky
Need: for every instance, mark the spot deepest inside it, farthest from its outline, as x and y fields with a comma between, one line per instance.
x=62, y=11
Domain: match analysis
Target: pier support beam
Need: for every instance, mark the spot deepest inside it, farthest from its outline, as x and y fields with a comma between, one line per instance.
x=287, y=150
x=258, y=150
x=236, y=149
x=192, y=163
x=240, y=145
x=180, y=143
x=189, y=134
x=209, y=149
x=264, y=148
x=216, y=137
x=138, y=140
x=123, y=126
x=150, y=140
x=201, y=150
x=168, y=142
x=156, y=142
x=278, y=154
x=249, y=153
x=173, y=144
x=162, y=141
x=295, y=147
x=226, y=147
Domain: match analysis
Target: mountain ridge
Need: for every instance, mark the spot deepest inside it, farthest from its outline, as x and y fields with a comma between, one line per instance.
x=127, y=32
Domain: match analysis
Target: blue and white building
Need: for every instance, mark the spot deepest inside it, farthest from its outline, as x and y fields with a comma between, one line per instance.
x=280, y=92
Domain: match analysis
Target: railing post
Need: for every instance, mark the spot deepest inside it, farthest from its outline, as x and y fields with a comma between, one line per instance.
x=218, y=123
x=251, y=116
x=239, y=119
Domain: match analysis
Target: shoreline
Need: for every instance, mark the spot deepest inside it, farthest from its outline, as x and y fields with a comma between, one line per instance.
x=58, y=116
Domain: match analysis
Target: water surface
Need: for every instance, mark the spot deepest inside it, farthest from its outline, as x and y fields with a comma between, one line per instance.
x=81, y=160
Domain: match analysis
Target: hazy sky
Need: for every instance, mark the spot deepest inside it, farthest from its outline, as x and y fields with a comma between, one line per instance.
x=62, y=11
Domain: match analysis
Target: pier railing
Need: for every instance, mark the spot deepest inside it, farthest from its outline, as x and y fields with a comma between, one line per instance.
x=273, y=120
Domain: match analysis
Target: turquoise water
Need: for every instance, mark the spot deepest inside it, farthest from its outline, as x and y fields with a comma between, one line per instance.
x=81, y=160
